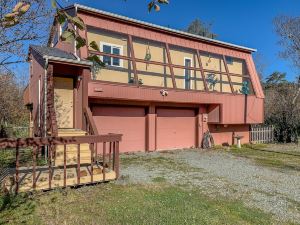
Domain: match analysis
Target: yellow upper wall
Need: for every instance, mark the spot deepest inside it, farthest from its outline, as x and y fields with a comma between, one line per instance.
x=160, y=76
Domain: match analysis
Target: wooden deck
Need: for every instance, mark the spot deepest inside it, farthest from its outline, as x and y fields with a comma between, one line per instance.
x=76, y=162
x=42, y=177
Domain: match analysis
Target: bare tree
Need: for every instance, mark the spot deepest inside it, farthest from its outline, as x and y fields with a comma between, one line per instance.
x=21, y=23
x=288, y=30
x=12, y=110
x=260, y=65
x=282, y=106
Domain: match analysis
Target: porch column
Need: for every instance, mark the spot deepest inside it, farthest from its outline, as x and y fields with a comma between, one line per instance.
x=198, y=128
x=151, y=129
x=86, y=77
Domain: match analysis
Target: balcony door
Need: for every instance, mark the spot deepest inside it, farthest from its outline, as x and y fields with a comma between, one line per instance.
x=187, y=73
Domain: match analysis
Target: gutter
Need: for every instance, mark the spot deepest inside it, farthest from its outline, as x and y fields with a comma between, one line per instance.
x=74, y=61
x=75, y=42
x=154, y=26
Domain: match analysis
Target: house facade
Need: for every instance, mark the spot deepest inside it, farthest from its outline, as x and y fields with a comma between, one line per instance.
x=161, y=88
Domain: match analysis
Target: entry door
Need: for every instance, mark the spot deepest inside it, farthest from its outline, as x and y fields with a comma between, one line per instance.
x=64, y=101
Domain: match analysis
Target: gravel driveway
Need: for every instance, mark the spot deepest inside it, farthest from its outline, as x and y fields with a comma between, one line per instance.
x=219, y=173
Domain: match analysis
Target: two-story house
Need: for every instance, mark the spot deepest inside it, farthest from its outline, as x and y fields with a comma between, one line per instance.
x=161, y=88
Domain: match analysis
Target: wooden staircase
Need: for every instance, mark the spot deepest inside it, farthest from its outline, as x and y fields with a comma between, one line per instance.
x=71, y=149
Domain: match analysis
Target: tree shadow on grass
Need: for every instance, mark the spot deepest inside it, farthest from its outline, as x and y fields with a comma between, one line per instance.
x=15, y=208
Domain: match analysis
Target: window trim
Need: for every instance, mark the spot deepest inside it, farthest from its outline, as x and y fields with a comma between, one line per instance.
x=116, y=46
x=191, y=84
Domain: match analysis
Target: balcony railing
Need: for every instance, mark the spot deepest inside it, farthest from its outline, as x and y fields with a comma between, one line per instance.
x=204, y=75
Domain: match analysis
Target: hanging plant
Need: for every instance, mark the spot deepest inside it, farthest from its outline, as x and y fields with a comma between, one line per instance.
x=212, y=81
x=245, y=90
x=148, y=55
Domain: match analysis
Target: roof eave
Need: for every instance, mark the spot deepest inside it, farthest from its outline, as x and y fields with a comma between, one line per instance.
x=70, y=61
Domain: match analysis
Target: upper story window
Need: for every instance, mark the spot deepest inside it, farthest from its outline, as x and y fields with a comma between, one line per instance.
x=229, y=60
x=112, y=49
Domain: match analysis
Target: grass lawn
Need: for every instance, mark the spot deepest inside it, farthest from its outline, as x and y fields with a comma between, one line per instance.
x=265, y=155
x=127, y=204
x=157, y=202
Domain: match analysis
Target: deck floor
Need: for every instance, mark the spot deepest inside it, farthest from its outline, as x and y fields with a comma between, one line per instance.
x=42, y=177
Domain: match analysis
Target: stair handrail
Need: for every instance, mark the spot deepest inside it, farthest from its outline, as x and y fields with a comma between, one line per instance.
x=90, y=125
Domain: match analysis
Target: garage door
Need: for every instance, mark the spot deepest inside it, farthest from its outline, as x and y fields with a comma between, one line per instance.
x=129, y=121
x=176, y=128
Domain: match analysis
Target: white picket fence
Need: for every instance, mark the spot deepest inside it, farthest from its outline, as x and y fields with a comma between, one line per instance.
x=261, y=134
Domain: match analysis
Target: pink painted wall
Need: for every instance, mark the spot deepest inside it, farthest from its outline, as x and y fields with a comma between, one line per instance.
x=223, y=135
x=232, y=106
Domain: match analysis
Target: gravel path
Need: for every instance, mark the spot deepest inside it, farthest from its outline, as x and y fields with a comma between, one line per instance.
x=217, y=173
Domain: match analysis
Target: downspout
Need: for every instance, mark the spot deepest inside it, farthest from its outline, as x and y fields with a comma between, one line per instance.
x=45, y=106
x=45, y=98
x=75, y=43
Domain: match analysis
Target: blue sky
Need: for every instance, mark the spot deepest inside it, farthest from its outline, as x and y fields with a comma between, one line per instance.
x=247, y=23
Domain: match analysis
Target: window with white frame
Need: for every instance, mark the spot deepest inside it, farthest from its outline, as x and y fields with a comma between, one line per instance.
x=112, y=49
x=188, y=62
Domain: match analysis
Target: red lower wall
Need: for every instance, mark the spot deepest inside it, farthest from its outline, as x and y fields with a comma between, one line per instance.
x=224, y=135
x=162, y=128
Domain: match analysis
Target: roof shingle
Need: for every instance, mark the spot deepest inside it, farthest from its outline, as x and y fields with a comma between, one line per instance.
x=54, y=52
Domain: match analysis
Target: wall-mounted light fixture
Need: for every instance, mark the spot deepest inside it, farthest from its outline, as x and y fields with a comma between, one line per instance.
x=164, y=93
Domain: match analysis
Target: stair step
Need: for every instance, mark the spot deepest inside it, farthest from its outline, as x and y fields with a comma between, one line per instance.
x=71, y=132
x=73, y=148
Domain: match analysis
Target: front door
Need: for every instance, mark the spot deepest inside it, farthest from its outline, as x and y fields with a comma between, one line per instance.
x=63, y=101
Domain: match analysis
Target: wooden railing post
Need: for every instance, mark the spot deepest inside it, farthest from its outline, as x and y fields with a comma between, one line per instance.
x=117, y=160
x=34, y=168
x=109, y=156
x=65, y=165
x=50, y=165
x=92, y=161
x=78, y=164
x=104, y=153
x=17, y=167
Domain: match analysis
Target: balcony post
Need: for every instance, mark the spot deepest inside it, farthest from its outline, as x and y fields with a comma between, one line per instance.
x=170, y=65
x=227, y=72
x=130, y=44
